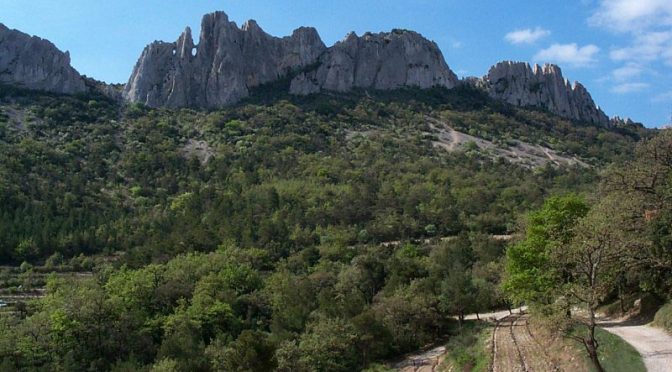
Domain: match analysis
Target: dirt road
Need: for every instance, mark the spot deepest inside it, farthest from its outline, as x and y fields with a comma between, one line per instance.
x=426, y=361
x=515, y=347
x=653, y=344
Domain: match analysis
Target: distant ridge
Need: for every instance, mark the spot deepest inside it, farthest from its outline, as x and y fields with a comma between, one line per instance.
x=228, y=62
x=34, y=63
x=540, y=86
x=383, y=61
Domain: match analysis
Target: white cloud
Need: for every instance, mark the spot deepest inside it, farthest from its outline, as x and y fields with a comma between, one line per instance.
x=629, y=88
x=632, y=15
x=663, y=97
x=647, y=46
x=631, y=70
x=526, y=36
x=647, y=22
x=570, y=54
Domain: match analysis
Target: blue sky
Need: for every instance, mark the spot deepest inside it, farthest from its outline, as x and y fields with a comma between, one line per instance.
x=620, y=49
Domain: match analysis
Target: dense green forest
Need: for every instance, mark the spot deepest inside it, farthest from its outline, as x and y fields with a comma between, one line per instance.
x=322, y=233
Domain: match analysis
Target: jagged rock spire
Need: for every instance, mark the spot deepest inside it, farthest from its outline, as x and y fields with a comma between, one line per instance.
x=378, y=61
x=541, y=86
x=227, y=62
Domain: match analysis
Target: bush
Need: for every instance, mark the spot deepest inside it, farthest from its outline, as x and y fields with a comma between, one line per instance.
x=467, y=350
x=663, y=318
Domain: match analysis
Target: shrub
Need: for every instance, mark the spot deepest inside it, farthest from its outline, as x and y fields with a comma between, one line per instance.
x=663, y=318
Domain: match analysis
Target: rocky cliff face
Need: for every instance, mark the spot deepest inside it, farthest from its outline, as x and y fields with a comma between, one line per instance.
x=227, y=62
x=519, y=84
x=377, y=61
x=33, y=63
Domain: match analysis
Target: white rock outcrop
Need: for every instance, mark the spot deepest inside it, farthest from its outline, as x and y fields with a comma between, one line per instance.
x=227, y=62
x=540, y=86
x=381, y=61
x=34, y=63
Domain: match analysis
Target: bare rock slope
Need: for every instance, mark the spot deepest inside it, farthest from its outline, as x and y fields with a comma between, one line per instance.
x=540, y=86
x=381, y=61
x=227, y=62
x=34, y=63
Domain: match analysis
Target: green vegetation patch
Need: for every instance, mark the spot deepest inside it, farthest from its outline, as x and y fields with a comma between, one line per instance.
x=616, y=354
x=299, y=245
x=663, y=318
x=467, y=349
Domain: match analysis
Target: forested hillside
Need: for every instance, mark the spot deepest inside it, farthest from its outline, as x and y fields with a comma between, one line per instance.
x=318, y=233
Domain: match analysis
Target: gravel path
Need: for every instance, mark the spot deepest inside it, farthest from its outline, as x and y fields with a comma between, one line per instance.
x=653, y=344
x=506, y=354
x=533, y=353
x=426, y=361
x=513, y=345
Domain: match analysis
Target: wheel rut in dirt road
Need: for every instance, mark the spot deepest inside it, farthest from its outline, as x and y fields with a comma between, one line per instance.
x=515, y=347
x=507, y=356
x=533, y=353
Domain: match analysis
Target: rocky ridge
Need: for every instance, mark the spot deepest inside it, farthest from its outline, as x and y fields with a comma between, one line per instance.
x=540, y=86
x=34, y=63
x=227, y=62
x=381, y=61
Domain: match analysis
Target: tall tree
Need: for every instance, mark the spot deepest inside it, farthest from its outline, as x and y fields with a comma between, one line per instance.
x=532, y=274
x=571, y=257
x=596, y=259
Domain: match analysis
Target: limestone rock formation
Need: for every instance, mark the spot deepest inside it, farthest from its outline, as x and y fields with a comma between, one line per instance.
x=378, y=61
x=33, y=63
x=227, y=62
x=619, y=122
x=519, y=84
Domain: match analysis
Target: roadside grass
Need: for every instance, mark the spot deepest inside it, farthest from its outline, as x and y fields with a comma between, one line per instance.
x=469, y=348
x=615, y=354
x=663, y=318
x=377, y=367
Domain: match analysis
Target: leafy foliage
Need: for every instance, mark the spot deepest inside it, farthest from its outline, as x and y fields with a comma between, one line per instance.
x=280, y=233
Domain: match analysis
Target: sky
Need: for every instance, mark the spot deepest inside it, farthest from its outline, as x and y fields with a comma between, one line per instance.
x=621, y=50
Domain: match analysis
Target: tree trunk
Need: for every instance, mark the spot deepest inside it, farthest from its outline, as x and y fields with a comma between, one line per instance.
x=592, y=351
x=620, y=298
x=591, y=343
x=477, y=317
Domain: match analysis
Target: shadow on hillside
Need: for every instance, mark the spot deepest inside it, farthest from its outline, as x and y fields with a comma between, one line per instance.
x=642, y=313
